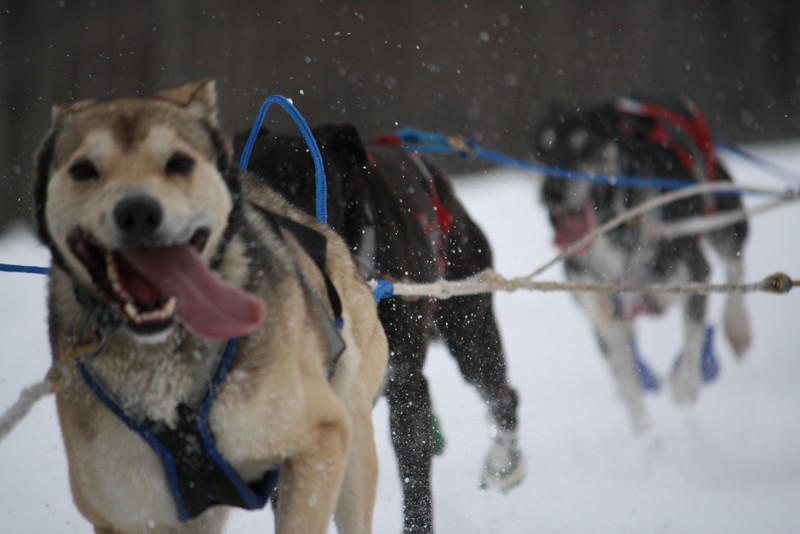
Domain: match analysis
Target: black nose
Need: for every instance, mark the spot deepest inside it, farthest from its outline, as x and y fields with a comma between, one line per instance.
x=553, y=192
x=138, y=216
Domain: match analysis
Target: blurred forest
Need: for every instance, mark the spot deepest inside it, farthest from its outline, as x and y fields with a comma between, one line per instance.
x=484, y=69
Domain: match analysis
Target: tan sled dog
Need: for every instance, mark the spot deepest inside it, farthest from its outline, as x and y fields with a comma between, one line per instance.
x=205, y=338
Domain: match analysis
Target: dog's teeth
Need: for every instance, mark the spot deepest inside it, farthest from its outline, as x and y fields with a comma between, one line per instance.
x=132, y=312
x=165, y=312
x=170, y=306
x=113, y=275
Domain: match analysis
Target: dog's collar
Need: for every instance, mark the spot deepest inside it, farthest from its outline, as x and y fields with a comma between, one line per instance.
x=197, y=474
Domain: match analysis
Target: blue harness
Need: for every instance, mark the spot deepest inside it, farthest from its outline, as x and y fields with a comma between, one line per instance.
x=197, y=475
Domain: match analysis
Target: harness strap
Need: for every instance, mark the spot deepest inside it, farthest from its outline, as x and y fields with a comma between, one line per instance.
x=695, y=126
x=197, y=475
x=315, y=244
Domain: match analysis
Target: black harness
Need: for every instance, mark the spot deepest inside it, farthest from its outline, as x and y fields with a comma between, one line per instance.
x=197, y=475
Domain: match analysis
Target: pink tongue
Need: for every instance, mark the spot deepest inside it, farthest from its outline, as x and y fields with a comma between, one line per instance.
x=570, y=227
x=207, y=305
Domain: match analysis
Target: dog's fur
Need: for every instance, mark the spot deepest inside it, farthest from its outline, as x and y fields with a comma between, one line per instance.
x=277, y=407
x=616, y=138
x=402, y=221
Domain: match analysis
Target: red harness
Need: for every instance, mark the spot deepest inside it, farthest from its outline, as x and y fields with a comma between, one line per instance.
x=665, y=120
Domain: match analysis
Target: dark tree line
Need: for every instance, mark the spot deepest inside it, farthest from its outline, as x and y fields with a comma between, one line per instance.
x=483, y=69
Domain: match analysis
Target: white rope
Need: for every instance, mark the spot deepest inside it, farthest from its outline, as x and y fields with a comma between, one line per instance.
x=709, y=223
x=27, y=398
x=489, y=281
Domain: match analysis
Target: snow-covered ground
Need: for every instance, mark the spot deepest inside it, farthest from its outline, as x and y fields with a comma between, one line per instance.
x=730, y=464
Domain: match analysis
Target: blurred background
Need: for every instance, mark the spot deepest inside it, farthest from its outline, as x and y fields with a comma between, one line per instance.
x=483, y=69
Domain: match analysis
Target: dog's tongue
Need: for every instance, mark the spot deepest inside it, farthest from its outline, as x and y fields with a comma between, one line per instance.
x=207, y=305
x=571, y=226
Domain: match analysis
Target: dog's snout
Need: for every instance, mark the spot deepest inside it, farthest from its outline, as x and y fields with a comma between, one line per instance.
x=138, y=216
x=553, y=192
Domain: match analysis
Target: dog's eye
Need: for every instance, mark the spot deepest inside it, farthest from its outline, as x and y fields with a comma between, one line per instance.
x=83, y=170
x=179, y=163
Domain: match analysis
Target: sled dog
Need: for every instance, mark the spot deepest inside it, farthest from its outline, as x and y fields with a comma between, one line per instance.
x=402, y=221
x=211, y=343
x=643, y=138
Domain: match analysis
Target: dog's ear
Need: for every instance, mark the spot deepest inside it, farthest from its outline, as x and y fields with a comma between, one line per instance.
x=199, y=97
x=343, y=142
x=58, y=111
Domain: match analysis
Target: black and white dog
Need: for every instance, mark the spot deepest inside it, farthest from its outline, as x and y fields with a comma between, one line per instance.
x=402, y=221
x=642, y=138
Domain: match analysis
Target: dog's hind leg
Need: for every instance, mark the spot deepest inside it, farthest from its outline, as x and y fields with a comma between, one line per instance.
x=469, y=328
x=728, y=243
x=735, y=317
x=357, y=496
x=410, y=417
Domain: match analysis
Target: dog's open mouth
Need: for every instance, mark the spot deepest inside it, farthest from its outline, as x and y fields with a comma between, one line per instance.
x=572, y=225
x=152, y=285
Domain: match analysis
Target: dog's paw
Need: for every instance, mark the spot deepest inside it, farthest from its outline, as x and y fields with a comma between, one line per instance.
x=737, y=325
x=685, y=385
x=641, y=422
x=504, y=466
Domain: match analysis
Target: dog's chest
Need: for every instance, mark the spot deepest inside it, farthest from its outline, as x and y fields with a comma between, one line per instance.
x=608, y=262
x=120, y=469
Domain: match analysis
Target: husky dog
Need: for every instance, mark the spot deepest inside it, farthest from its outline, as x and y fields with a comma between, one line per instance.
x=402, y=221
x=204, y=350
x=630, y=137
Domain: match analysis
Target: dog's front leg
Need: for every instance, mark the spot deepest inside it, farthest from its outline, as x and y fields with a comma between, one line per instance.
x=687, y=379
x=310, y=481
x=615, y=337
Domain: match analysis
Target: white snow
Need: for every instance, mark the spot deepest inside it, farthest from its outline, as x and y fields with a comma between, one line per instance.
x=730, y=464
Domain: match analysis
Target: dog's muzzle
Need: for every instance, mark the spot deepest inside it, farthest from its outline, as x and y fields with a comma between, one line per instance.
x=152, y=283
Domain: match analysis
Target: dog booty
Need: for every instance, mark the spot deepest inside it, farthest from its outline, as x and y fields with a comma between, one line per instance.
x=503, y=467
x=709, y=367
x=647, y=378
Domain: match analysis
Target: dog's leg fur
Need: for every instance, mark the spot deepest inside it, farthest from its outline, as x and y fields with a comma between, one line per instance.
x=735, y=316
x=728, y=243
x=468, y=324
x=353, y=512
x=310, y=480
x=615, y=339
x=410, y=417
x=686, y=379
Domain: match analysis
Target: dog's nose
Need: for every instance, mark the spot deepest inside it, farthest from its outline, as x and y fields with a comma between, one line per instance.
x=138, y=216
x=553, y=192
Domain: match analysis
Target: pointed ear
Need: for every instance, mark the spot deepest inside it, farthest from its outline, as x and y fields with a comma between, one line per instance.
x=200, y=98
x=58, y=111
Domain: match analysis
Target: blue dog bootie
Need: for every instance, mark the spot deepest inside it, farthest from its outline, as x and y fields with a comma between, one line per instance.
x=647, y=378
x=709, y=365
